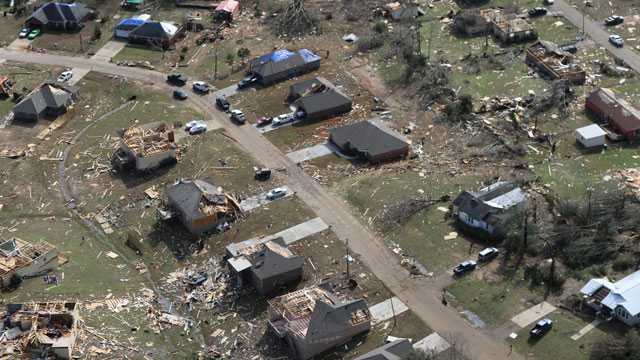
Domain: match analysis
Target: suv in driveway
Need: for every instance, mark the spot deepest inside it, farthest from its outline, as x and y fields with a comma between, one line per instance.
x=276, y=193
x=177, y=79
x=613, y=20
x=222, y=103
x=201, y=87
x=616, y=40
x=488, y=254
x=238, y=117
x=464, y=267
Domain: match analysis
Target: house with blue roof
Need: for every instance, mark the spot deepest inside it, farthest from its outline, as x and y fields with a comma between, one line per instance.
x=282, y=65
x=126, y=26
x=620, y=299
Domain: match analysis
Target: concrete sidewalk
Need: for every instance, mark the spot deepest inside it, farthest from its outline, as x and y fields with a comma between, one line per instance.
x=387, y=310
x=432, y=344
x=532, y=314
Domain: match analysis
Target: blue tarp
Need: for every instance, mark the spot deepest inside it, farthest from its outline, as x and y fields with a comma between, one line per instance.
x=308, y=56
x=276, y=56
x=131, y=22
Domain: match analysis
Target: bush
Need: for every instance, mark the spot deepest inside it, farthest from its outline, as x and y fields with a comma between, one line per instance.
x=380, y=27
x=623, y=262
x=184, y=49
x=369, y=43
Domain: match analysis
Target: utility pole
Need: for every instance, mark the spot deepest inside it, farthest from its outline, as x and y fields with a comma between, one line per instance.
x=215, y=63
x=347, y=258
x=526, y=229
x=429, y=40
x=81, y=42
x=589, y=191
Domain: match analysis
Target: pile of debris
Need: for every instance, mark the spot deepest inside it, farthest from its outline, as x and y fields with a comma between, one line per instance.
x=631, y=179
x=45, y=329
x=136, y=63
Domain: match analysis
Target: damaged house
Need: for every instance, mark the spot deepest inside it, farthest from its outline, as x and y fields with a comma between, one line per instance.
x=395, y=350
x=511, y=28
x=620, y=299
x=39, y=330
x=317, y=99
x=21, y=259
x=281, y=65
x=314, y=320
x=49, y=100
x=156, y=34
x=267, y=266
x=145, y=147
x=370, y=141
x=489, y=208
x=554, y=62
x=608, y=107
x=201, y=206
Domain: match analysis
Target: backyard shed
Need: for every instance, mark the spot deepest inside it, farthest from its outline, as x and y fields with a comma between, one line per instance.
x=369, y=140
x=227, y=10
x=591, y=136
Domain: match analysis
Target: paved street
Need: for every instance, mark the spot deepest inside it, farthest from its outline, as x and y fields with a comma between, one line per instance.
x=597, y=31
x=421, y=295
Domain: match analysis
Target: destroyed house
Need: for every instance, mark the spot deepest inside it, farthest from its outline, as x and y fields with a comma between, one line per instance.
x=146, y=147
x=21, y=259
x=321, y=105
x=158, y=35
x=620, y=299
x=39, y=330
x=400, y=12
x=471, y=23
x=314, y=320
x=200, y=205
x=227, y=10
x=281, y=65
x=614, y=110
x=489, y=208
x=59, y=16
x=49, y=100
x=266, y=266
x=370, y=141
x=554, y=62
x=395, y=350
x=510, y=28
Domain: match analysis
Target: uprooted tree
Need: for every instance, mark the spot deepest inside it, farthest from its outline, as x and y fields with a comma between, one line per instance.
x=296, y=20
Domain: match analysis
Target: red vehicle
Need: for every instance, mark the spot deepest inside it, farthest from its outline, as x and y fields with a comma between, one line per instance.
x=263, y=121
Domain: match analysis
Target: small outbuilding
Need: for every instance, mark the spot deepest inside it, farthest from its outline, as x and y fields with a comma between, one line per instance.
x=591, y=136
x=227, y=10
x=370, y=141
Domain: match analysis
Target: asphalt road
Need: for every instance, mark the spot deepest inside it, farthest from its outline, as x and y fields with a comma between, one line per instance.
x=423, y=296
x=598, y=32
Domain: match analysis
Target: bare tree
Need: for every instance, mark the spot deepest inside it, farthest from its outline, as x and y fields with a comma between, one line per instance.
x=296, y=20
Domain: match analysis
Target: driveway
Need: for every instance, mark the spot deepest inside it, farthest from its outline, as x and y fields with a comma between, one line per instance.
x=421, y=295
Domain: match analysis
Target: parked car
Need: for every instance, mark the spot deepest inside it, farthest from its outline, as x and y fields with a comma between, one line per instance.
x=177, y=79
x=570, y=48
x=201, y=87
x=616, y=40
x=262, y=174
x=613, y=20
x=276, y=193
x=191, y=124
x=222, y=103
x=282, y=119
x=247, y=81
x=464, y=267
x=542, y=327
x=24, y=32
x=548, y=2
x=34, y=34
x=65, y=76
x=488, y=254
x=198, y=128
x=537, y=11
x=180, y=95
x=238, y=117
x=263, y=121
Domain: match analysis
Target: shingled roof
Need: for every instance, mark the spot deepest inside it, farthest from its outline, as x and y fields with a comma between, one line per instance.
x=55, y=12
x=369, y=139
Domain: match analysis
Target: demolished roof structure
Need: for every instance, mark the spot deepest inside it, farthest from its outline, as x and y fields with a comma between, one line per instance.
x=146, y=147
x=267, y=266
x=201, y=206
x=22, y=259
x=315, y=319
x=511, y=28
x=369, y=140
x=620, y=298
x=42, y=330
x=51, y=99
x=555, y=62
x=615, y=110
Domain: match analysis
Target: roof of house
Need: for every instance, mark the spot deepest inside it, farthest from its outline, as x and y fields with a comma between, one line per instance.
x=274, y=259
x=501, y=195
x=49, y=95
x=60, y=12
x=625, y=292
x=186, y=196
x=281, y=60
x=130, y=23
x=591, y=131
x=318, y=102
x=370, y=137
x=394, y=350
x=229, y=6
x=622, y=114
x=155, y=30
x=299, y=88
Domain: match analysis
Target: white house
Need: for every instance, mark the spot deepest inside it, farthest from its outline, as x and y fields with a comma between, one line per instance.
x=487, y=208
x=591, y=136
x=620, y=299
